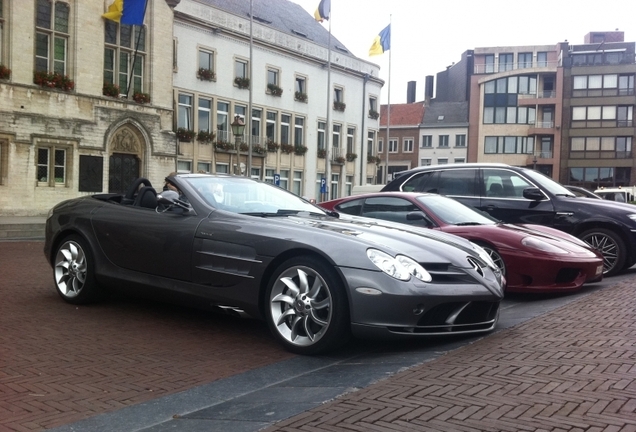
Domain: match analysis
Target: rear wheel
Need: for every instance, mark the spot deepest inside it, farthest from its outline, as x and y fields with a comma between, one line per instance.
x=73, y=272
x=307, y=308
x=611, y=247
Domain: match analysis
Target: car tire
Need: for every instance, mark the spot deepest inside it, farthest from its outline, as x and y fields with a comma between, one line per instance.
x=611, y=247
x=306, y=306
x=497, y=259
x=73, y=272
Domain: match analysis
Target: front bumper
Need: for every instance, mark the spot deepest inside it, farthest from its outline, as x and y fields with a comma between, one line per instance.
x=407, y=309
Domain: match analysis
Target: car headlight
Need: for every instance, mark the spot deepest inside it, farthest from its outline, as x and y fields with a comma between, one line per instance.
x=483, y=255
x=536, y=243
x=632, y=216
x=401, y=267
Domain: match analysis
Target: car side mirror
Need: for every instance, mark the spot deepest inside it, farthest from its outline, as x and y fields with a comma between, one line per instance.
x=171, y=198
x=419, y=216
x=533, y=193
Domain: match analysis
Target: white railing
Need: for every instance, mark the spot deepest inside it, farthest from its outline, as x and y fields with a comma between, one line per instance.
x=494, y=68
x=544, y=124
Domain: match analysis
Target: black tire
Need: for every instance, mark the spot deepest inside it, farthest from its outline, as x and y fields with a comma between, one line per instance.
x=73, y=272
x=610, y=245
x=497, y=259
x=306, y=307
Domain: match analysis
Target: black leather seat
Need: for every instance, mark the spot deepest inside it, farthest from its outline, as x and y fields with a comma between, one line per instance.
x=147, y=198
x=133, y=190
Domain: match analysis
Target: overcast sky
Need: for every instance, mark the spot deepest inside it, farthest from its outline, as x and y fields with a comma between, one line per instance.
x=427, y=36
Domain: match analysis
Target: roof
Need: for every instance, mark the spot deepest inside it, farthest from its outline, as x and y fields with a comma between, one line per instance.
x=282, y=15
x=403, y=114
x=446, y=113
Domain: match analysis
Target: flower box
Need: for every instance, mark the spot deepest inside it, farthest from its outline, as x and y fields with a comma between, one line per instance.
x=185, y=135
x=339, y=159
x=206, y=74
x=272, y=146
x=300, y=150
x=274, y=90
x=351, y=157
x=205, y=137
x=242, y=83
x=322, y=153
x=141, y=98
x=223, y=145
x=110, y=89
x=287, y=148
x=300, y=96
x=374, y=114
x=339, y=106
x=53, y=80
x=5, y=72
x=373, y=159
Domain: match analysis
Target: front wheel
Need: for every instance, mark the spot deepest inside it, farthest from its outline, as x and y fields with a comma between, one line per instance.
x=494, y=255
x=73, y=272
x=307, y=308
x=611, y=247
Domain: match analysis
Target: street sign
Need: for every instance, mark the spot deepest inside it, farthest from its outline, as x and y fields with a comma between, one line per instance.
x=277, y=179
x=323, y=185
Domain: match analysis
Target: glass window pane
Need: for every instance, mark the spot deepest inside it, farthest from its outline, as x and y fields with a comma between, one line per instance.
x=512, y=85
x=609, y=112
x=610, y=81
x=594, y=113
x=578, y=113
x=577, y=144
x=140, y=38
x=125, y=36
x=580, y=82
x=43, y=17
x=593, y=143
x=61, y=17
x=595, y=81
x=110, y=32
x=607, y=143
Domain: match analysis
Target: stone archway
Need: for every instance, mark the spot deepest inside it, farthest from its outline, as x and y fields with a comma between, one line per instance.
x=126, y=155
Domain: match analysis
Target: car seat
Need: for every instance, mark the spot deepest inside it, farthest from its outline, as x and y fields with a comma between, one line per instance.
x=147, y=198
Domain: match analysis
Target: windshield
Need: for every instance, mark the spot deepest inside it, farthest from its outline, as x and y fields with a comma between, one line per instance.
x=547, y=183
x=244, y=195
x=453, y=212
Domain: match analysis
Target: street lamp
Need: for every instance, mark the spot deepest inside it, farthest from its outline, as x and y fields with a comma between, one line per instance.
x=238, y=128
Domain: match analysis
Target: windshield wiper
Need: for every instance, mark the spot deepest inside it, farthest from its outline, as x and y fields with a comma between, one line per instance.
x=467, y=223
x=282, y=212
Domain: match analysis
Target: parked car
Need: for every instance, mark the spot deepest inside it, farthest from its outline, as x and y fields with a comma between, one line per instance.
x=625, y=194
x=533, y=258
x=582, y=192
x=251, y=248
x=521, y=195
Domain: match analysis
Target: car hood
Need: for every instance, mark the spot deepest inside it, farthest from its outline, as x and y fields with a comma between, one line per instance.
x=421, y=244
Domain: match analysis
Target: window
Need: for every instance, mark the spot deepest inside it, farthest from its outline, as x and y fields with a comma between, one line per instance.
x=348, y=185
x=499, y=183
x=184, y=166
x=51, y=165
x=425, y=162
x=442, y=161
x=3, y=25
x=338, y=94
x=603, y=85
x=52, y=36
x=121, y=66
x=489, y=61
x=185, y=112
x=256, y=126
x=542, y=59
x=508, y=144
x=272, y=76
x=371, y=143
x=506, y=62
x=297, y=187
x=335, y=179
x=407, y=145
x=373, y=107
x=222, y=125
x=595, y=177
x=459, y=160
x=205, y=115
x=203, y=167
x=256, y=173
x=270, y=126
x=301, y=88
x=240, y=68
x=284, y=179
x=443, y=141
x=524, y=60
x=350, y=139
x=427, y=141
x=206, y=60
x=602, y=116
x=500, y=100
x=322, y=126
x=598, y=58
x=460, y=140
x=335, y=140
x=319, y=177
x=393, y=145
x=222, y=168
x=269, y=176
x=299, y=131
x=610, y=147
x=175, y=63
x=285, y=130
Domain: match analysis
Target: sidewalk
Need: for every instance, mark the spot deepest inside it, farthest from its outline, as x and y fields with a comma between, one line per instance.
x=572, y=368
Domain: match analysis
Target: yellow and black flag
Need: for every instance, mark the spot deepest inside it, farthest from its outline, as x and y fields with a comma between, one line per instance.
x=382, y=42
x=323, y=10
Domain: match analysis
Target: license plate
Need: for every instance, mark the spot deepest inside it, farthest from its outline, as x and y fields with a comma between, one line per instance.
x=599, y=270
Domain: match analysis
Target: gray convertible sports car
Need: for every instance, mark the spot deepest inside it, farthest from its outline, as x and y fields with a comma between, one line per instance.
x=239, y=245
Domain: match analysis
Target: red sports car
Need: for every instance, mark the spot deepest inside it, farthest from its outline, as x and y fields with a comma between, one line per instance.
x=533, y=258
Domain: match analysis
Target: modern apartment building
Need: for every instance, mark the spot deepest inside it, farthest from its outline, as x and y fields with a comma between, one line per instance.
x=598, y=112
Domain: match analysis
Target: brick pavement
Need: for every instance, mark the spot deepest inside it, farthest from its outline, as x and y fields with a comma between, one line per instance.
x=572, y=369
x=61, y=363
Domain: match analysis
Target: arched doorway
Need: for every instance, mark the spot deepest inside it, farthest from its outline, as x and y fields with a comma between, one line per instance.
x=126, y=151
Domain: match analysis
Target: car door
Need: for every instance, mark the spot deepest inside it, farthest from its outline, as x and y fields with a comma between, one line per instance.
x=147, y=241
x=502, y=198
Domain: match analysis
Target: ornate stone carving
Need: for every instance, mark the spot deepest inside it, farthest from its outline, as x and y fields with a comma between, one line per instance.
x=125, y=141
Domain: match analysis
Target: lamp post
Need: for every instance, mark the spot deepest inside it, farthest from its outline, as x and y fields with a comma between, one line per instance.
x=238, y=128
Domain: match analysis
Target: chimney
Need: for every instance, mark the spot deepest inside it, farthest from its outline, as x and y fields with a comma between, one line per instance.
x=428, y=89
x=410, y=92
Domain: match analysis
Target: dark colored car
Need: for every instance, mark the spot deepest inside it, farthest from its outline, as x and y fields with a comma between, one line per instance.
x=235, y=244
x=533, y=258
x=521, y=195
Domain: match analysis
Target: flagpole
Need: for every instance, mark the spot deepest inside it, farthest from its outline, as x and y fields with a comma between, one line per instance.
x=388, y=115
x=249, y=104
x=132, y=68
x=328, y=130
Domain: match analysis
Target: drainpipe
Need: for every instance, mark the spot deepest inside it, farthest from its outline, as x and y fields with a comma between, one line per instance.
x=363, y=137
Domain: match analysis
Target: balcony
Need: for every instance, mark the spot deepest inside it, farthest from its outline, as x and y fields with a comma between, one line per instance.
x=542, y=127
x=542, y=97
x=505, y=67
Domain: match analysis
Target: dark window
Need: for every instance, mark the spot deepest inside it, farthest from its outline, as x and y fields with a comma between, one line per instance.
x=352, y=207
x=422, y=182
x=459, y=182
x=388, y=208
x=91, y=170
